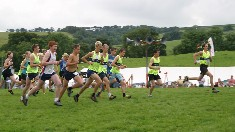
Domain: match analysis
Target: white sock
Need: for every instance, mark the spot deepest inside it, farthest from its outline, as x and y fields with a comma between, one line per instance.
x=27, y=96
x=56, y=99
x=109, y=94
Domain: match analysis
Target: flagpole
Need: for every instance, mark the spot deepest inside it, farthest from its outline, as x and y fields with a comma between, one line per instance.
x=212, y=52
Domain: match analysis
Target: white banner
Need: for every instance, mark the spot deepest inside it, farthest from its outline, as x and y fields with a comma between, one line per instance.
x=212, y=46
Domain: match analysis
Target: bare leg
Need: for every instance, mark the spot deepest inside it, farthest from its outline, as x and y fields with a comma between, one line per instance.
x=211, y=78
x=123, y=86
x=152, y=87
x=55, y=78
x=65, y=85
x=27, y=86
x=34, y=89
x=87, y=84
x=97, y=80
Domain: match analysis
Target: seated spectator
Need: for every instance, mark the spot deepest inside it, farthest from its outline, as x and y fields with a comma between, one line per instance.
x=180, y=82
x=231, y=82
x=191, y=85
x=201, y=83
x=219, y=83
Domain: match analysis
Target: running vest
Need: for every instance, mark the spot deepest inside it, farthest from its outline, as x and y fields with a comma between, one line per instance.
x=205, y=58
x=33, y=69
x=62, y=65
x=49, y=69
x=104, y=65
x=111, y=58
x=20, y=72
x=96, y=62
x=155, y=63
x=8, y=69
x=25, y=65
x=119, y=63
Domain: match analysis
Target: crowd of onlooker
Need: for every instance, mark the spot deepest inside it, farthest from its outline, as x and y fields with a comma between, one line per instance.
x=227, y=83
x=180, y=82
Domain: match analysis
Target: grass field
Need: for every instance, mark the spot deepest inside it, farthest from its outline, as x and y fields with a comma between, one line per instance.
x=170, y=46
x=221, y=59
x=181, y=109
x=3, y=38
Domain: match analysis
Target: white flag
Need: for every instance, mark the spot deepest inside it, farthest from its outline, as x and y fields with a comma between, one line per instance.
x=212, y=46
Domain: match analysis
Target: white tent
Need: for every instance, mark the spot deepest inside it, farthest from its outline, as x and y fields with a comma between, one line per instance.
x=173, y=73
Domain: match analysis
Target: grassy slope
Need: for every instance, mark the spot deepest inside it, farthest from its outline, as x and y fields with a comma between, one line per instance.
x=170, y=46
x=221, y=59
x=3, y=38
x=182, y=109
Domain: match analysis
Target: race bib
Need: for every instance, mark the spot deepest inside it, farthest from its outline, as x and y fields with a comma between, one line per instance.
x=75, y=73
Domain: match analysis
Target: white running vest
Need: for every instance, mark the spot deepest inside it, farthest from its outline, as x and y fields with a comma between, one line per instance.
x=49, y=69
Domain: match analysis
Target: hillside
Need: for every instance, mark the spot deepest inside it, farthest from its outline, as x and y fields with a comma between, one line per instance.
x=221, y=59
x=4, y=36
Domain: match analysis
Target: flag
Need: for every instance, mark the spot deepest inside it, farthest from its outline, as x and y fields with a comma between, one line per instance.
x=212, y=46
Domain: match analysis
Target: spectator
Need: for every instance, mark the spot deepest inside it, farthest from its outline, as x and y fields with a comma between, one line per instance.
x=180, y=82
x=201, y=82
x=231, y=81
x=219, y=83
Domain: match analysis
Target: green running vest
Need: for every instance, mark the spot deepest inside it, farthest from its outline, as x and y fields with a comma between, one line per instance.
x=119, y=63
x=96, y=62
x=205, y=58
x=33, y=69
x=155, y=63
x=104, y=65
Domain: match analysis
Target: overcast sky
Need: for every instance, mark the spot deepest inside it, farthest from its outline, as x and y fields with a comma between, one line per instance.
x=161, y=13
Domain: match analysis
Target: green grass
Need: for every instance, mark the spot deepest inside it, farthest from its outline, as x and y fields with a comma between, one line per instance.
x=170, y=46
x=182, y=109
x=3, y=38
x=221, y=59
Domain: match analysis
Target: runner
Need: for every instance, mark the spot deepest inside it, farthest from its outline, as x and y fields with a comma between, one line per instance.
x=71, y=73
x=48, y=62
x=205, y=59
x=92, y=71
x=6, y=73
x=116, y=66
x=154, y=71
x=103, y=72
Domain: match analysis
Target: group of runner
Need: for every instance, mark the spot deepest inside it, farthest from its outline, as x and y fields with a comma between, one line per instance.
x=103, y=68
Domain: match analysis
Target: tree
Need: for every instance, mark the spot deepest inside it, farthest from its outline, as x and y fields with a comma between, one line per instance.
x=139, y=50
x=190, y=39
x=65, y=43
x=217, y=36
x=18, y=43
x=229, y=43
x=173, y=35
x=228, y=27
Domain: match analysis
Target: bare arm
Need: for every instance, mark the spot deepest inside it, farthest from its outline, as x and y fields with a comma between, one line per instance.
x=22, y=64
x=210, y=59
x=196, y=55
x=114, y=61
x=7, y=63
x=70, y=59
x=84, y=58
x=115, y=65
